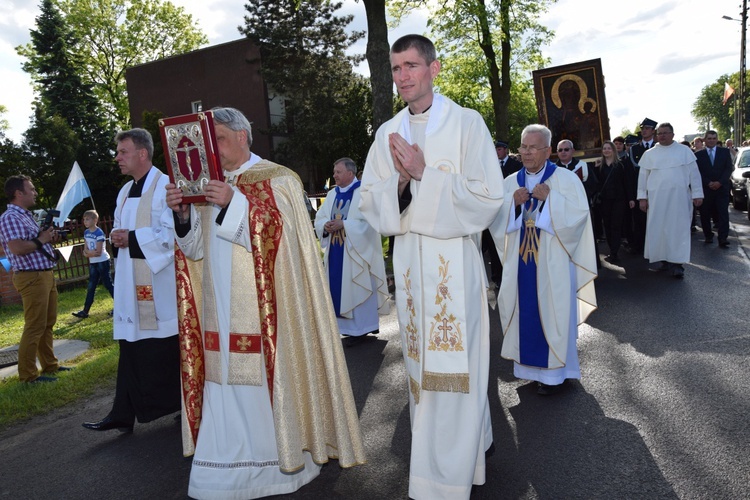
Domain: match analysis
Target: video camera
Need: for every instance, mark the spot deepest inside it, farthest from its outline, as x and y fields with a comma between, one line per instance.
x=47, y=223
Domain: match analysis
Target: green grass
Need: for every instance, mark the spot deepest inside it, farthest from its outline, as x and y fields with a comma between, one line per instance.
x=95, y=368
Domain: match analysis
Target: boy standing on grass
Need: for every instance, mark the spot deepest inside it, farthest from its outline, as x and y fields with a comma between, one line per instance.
x=98, y=261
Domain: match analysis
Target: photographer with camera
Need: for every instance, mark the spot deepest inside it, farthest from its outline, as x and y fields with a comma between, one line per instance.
x=32, y=257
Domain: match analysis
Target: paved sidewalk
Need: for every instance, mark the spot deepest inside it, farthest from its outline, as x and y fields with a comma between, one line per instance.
x=65, y=349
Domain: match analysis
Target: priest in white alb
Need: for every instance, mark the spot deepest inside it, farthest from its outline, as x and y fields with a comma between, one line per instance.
x=669, y=185
x=545, y=240
x=431, y=179
x=352, y=254
x=266, y=392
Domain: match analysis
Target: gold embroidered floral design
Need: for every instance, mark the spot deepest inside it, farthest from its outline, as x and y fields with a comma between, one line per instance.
x=412, y=332
x=445, y=331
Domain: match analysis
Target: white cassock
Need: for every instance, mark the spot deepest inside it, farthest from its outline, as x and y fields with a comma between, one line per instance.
x=157, y=244
x=441, y=292
x=565, y=269
x=363, y=285
x=245, y=448
x=669, y=179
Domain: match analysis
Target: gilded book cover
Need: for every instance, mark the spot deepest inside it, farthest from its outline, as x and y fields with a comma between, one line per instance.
x=190, y=152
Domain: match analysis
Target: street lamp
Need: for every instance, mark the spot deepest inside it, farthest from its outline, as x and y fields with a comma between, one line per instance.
x=739, y=114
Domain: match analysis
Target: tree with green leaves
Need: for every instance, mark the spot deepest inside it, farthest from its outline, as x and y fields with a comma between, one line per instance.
x=505, y=35
x=113, y=35
x=67, y=125
x=4, y=125
x=710, y=112
x=303, y=47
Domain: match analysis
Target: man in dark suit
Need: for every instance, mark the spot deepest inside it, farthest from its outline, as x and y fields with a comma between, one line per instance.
x=648, y=127
x=508, y=164
x=715, y=165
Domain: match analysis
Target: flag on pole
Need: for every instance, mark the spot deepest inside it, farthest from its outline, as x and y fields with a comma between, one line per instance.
x=74, y=192
x=728, y=91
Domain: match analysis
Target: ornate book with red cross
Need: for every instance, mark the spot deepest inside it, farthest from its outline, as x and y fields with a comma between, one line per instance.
x=190, y=152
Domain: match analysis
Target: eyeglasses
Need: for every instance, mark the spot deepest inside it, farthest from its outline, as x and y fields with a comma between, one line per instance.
x=523, y=148
x=563, y=149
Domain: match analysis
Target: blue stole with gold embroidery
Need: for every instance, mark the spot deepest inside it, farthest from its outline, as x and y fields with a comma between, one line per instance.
x=340, y=210
x=533, y=347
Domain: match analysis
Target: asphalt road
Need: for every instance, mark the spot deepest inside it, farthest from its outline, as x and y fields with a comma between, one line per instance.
x=661, y=410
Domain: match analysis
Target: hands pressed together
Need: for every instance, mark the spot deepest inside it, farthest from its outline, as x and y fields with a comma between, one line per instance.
x=408, y=160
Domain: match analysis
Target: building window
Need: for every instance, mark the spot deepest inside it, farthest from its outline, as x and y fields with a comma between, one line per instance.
x=197, y=106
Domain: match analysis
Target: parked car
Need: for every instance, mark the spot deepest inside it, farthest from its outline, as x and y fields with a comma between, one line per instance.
x=739, y=191
x=746, y=175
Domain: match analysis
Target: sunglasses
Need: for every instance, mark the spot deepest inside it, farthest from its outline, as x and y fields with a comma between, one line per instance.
x=563, y=149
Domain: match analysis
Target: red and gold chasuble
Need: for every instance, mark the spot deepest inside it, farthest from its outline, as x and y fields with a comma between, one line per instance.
x=199, y=337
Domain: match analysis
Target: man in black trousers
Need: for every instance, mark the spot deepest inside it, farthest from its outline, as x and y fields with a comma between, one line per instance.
x=715, y=165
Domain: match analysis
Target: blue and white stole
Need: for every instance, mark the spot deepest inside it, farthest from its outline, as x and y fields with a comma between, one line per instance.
x=339, y=210
x=533, y=347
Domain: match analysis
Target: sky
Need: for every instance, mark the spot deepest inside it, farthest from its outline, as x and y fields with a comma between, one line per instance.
x=656, y=55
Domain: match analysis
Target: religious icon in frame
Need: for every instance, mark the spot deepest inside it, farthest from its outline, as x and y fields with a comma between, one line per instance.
x=190, y=152
x=571, y=103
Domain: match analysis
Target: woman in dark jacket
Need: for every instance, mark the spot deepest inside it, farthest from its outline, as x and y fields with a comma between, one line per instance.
x=615, y=194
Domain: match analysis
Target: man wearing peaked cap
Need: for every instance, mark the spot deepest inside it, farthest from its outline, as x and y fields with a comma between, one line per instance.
x=648, y=128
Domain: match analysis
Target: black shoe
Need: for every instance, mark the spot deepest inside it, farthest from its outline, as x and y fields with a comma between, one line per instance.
x=42, y=378
x=80, y=314
x=107, y=424
x=548, y=390
x=723, y=243
x=661, y=266
x=678, y=272
x=708, y=240
x=64, y=369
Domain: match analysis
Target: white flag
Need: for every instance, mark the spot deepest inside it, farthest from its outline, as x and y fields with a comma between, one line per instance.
x=74, y=192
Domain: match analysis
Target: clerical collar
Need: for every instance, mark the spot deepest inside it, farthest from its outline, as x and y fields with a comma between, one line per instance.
x=350, y=186
x=137, y=187
x=536, y=174
x=423, y=112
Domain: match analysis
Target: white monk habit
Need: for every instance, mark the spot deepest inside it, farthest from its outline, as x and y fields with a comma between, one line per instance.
x=358, y=265
x=266, y=392
x=669, y=179
x=441, y=293
x=540, y=316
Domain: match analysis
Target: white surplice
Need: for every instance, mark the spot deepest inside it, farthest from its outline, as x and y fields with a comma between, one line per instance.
x=364, y=288
x=157, y=244
x=435, y=260
x=669, y=179
x=566, y=268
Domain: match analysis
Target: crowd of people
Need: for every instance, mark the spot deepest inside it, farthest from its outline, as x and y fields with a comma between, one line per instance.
x=225, y=311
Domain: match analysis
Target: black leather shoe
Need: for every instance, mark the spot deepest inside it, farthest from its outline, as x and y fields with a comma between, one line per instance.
x=723, y=243
x=548, y=390
x=64, y=369
x=107, y=423
x=708, y=241
x=42, y=379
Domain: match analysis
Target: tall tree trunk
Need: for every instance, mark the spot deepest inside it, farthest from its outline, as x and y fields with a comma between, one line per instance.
x=499, y=77
x=379, y=61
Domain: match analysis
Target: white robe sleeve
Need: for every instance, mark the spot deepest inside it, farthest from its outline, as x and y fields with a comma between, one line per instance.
x=157, y=240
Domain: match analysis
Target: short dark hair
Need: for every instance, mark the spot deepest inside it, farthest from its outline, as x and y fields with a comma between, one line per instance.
x=424, y=46
x=619, y=138
x=710, y=132
x=141, y=139
x=15, y=183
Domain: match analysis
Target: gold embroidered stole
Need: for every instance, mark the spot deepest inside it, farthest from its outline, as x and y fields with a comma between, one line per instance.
x=435, y=297
x=265, y=226
x=144, y=289
x=192, y=364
